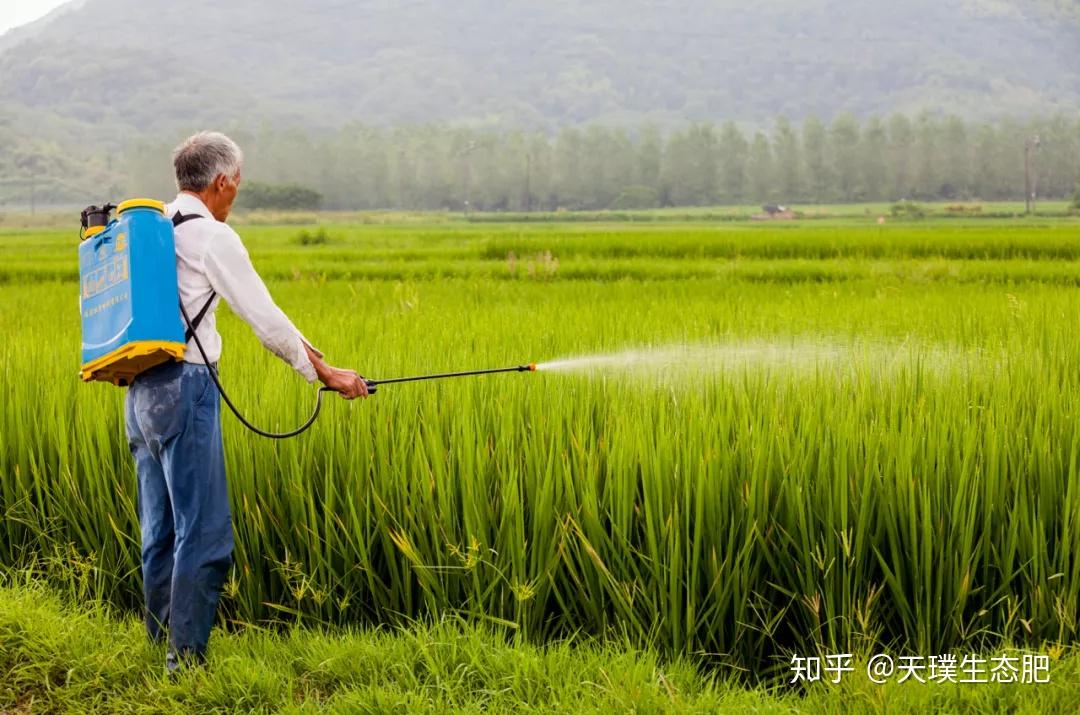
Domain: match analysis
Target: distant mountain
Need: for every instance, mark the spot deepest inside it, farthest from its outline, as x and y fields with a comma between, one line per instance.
x=507, y=61
x=33, y=29
x=105, y=73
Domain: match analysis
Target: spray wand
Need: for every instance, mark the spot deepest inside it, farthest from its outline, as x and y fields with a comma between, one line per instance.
x=372, y=386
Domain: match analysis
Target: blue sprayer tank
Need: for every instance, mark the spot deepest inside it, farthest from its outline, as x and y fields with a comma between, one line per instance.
x=128, y=297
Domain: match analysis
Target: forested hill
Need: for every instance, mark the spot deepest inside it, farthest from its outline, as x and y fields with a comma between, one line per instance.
x=559, y=62
x=84, y=87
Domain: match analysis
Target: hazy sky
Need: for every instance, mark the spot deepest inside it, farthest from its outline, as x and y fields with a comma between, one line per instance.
x=19, y=12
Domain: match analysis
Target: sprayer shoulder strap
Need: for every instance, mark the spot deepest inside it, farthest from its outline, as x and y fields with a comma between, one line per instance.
x=178, y=219
x=194, y=325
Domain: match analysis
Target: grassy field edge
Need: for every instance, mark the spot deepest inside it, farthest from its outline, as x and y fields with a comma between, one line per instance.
x=59, y=657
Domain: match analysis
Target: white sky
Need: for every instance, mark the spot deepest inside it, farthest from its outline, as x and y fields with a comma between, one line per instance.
x=19, y=12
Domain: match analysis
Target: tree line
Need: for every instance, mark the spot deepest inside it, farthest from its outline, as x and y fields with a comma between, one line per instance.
x=433, y=167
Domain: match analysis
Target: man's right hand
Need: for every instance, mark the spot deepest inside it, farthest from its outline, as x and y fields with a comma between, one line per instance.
x=346, y=383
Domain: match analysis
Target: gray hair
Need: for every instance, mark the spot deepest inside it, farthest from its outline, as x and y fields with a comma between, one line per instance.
x=201, y=158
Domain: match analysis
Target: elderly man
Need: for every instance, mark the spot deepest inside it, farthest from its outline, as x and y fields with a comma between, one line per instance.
x=173, y=410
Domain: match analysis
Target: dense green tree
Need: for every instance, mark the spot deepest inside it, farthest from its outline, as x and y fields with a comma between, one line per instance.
x=787, y=161
x=538, y=184
x=844, y=157
x=1056, y=165
x=437, y=167
x=991, y=176
x=759, y=170
x=955, y=170
x=607, y=166
x=691, y=166
x=650, y=157
x=570, y=189
x=733, y=152
x=928, y=145
x=815, y=160
x=257, y=195
x=901, y=146
x=873, y=161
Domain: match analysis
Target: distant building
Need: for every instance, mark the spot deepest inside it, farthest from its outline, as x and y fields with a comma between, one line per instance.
x=775, y=212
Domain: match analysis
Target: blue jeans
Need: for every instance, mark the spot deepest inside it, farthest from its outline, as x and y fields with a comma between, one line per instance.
x=173, y=416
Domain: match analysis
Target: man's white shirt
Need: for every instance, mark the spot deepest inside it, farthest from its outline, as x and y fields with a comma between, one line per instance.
x=210, y=257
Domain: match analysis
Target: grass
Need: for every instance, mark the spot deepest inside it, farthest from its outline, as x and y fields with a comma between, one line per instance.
x=60, y=218
x=56, y=657
x=1025, y=250
x=901, y=471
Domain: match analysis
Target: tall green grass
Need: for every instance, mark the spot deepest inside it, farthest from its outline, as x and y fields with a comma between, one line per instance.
x=63, y=657
x=915, y=487
x=1028, y=250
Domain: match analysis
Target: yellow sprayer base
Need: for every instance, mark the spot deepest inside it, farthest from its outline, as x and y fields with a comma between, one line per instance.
x=122, y=365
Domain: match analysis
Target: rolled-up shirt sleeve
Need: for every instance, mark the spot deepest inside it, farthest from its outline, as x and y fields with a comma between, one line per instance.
x=230, y=272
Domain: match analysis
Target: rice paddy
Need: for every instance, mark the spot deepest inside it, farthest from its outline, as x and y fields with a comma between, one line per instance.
x=743, y=442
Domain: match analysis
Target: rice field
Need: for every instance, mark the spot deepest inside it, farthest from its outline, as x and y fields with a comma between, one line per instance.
x=749, y=441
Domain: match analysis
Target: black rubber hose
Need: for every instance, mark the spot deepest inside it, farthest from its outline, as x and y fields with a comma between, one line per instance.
x=371, y=384
x=225, y=397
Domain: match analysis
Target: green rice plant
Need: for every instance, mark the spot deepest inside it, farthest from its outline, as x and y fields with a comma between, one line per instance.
x=867, y=440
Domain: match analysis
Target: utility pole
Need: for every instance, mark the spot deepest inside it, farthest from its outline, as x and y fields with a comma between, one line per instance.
x=33, y=189
x=1031, y=145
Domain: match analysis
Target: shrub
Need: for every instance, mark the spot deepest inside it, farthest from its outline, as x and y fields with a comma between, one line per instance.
x=312, y=238
x=637, y=197
x=907, y=209
x=257, y=195
x=964, y=209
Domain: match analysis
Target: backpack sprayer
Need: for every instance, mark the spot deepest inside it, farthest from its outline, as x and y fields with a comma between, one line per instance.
x=132, y=317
